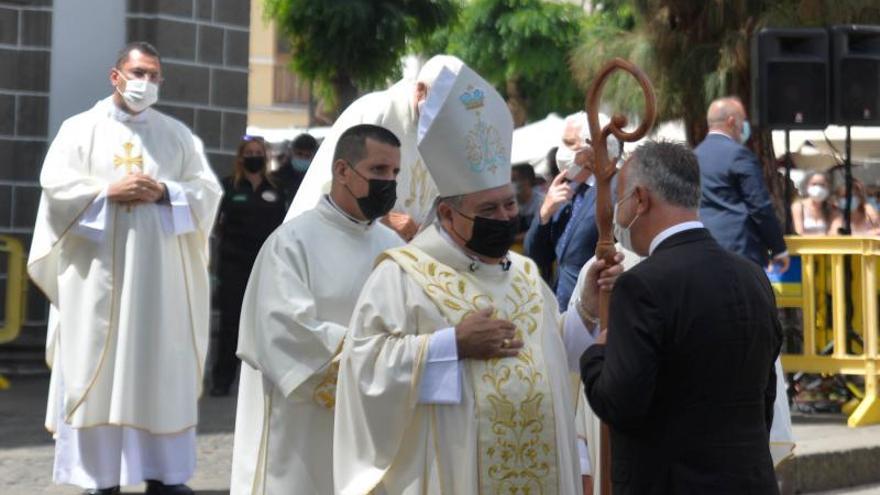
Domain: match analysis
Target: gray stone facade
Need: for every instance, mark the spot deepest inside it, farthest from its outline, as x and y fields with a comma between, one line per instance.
x=204, y=46
x=25, y=51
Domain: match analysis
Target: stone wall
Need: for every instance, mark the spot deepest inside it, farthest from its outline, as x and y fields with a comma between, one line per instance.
x=25, y=46
x=204, y=48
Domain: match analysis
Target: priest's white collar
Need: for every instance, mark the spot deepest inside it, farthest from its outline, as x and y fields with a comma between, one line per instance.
x=361, y=223
x=121, y=115
x=671, y=231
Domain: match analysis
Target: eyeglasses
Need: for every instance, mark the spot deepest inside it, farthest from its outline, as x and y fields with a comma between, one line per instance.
x=249, y=138
x=137, y=73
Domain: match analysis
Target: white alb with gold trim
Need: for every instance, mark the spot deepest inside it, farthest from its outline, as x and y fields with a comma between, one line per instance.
x=129, y=318
x=295, y=314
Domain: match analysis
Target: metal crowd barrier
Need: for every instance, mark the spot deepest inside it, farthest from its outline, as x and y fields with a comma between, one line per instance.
x=16, y=293
x=833, y=280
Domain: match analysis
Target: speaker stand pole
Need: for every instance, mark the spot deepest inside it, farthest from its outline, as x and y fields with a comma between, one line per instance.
x=786, y=190
x=848, y=180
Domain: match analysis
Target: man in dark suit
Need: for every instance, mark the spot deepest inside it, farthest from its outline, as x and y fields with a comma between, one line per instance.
x=735, y=205
x=564, y=230
x=686, y=379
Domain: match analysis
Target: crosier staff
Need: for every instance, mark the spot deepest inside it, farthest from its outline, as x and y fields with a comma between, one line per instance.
x=604, y=170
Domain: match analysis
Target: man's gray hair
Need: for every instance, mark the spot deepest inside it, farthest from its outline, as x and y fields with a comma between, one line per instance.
x=454, y=201
x=668, y=169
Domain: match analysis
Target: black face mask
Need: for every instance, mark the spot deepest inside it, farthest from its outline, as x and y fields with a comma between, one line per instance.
x=380, y=198
x=491, y=238
x=254, y=164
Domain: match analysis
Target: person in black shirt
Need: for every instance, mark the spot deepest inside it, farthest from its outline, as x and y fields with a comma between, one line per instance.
x=253, y=206
x=294, y=164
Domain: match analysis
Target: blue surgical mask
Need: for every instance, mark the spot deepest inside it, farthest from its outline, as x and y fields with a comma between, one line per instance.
x=841, y=203
x=746, y=132
x=300, y=164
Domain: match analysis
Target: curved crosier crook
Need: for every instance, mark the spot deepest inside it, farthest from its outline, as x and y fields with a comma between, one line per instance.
x=604, y=170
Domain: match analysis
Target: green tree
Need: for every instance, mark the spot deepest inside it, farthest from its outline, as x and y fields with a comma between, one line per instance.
x=522, y=47
x=693, y=51
x=696, y=51
x=348, y=46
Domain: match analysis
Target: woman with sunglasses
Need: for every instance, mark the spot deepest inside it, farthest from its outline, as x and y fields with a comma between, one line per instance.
x=253, y=206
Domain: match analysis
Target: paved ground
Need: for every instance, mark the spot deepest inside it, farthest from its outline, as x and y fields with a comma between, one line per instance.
x=26, y=448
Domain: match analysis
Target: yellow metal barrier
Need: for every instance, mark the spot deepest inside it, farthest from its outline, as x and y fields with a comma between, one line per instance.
x=822, y=265
x=16, y=293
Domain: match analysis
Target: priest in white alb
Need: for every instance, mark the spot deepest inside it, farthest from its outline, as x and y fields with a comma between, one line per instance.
x=457, y=374
x=295, y=315
x=396, y=109
x=121, y=251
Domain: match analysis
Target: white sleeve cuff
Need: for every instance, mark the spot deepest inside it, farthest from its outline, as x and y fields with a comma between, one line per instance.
x=441, y=379
x=584, y=456
x=577, y=338
x=92, y=223
x=176, y=216
x=780, y=255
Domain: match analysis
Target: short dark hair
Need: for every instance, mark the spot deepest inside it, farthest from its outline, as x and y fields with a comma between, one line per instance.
x=141, y=46
x=305, y=142
x=352, y=144
x=668, y=169
x=525, y=170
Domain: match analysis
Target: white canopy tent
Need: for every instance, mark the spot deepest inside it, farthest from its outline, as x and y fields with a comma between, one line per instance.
x=532, y=142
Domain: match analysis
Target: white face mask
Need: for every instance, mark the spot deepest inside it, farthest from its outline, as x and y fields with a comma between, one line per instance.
x=139, y=94
x=817, y=192
x=621, y=233
x=565, y=160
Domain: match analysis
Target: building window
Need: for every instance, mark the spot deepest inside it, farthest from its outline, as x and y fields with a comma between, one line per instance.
x=290, y=89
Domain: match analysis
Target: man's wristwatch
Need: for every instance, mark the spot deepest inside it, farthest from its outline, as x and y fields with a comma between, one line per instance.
x=164, y=198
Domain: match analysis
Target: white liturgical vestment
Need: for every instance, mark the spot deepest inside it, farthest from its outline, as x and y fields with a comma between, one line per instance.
x=128, y=288
x=510, y=426
x=295, y=314
x=393, y=109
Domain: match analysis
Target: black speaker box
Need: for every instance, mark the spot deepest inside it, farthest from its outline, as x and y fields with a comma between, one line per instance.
x=790, y=79
x=855, y=97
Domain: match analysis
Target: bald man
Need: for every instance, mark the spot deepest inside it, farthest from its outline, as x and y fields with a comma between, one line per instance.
x=735, y=204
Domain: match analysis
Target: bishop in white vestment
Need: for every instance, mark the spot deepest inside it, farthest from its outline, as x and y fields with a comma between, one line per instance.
x=457, y=374
x=295, y=315
x=396, y=109
x=128, y=287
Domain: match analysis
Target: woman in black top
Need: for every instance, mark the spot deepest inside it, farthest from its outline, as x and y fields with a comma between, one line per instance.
x=253, y=206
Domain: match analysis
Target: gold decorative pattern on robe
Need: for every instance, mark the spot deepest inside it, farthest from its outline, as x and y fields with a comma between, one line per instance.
x=128, y=160
x=516, y=423
x=325, y=392
x=421, y=187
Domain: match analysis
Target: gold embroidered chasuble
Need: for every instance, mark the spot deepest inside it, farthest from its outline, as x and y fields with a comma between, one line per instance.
x=129, y=314
x=512, y=432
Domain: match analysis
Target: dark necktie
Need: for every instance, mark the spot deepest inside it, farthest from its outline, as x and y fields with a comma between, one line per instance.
x=576, y=205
